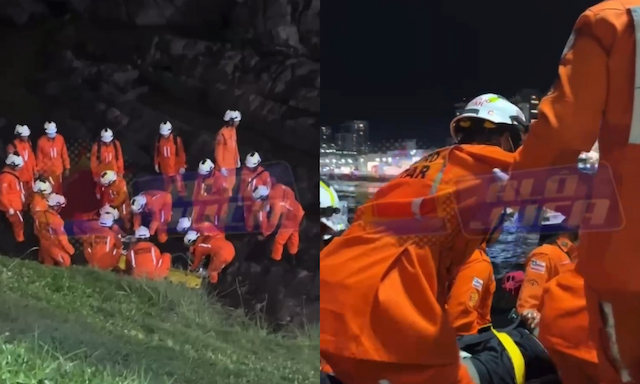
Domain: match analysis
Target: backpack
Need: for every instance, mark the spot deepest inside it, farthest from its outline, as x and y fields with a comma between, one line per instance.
x=175, y=143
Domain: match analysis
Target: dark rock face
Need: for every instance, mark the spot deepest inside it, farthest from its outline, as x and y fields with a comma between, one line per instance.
x=130, y=65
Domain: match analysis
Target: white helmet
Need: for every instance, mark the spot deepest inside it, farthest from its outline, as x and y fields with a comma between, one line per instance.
x=107, y=209
x=329, y=199
x=252, y=160
x=106, y=220
x=166, y=128
x=22, y=131
x=138, y=203
x=205, y=167
x=42, y=186
x=108, y=177
x=184, y=223
x=106, y=135
x=54, y=200
x=232, y=116
x=191, y=237
x=142, y=233
x=260, y=192
x=50, y=128
x=14, y=160
x=489, y=107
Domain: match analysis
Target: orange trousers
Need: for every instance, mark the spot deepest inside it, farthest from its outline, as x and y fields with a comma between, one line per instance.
x=220, y=259
x=354, y=371
x=285, y=236
x=17, y=225
x=53, y=255
x=27, y=187
x=250, y=214
x=158, y=273
x=230, y=180
x=213, y=210
x=97, y=258
x=175, y=180
x=613, y=323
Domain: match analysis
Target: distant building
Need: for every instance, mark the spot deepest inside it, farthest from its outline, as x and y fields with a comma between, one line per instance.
x=354, y=136
x=326, y=136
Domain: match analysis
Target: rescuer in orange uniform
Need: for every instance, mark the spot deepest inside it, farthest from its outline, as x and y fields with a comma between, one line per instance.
x=144, y=259
x=114, y=193
x=217, y=247
x=383, y=281
x=170, y=159
x=204, y=227
x=106, y=154
x=41, y=191
x=227, y=158
x=22, y=145
x=210, y=197
x=52, y=156
x=252, y=176
x=564, y=328
x=158, y=205
x=471, y=294
x=546, y=262
x=55, y=248
x=12, y=196
x=281, y=202
x=595, y=99
x=102, y=243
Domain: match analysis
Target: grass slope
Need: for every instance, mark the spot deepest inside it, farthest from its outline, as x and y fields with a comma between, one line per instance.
x=85, y=326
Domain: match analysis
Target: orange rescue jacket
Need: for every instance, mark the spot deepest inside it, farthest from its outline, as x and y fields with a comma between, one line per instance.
x=281, y=203
x=11, y=191
x=471, y=294
x=30, y=168
x=226, y=149
x=543, y=264
x=383, y=282
x=252, y=178
x=106, y=156
x=169, y=155
x=51, y=155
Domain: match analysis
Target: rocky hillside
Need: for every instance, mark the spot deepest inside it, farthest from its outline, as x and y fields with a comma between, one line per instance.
x=129, y=65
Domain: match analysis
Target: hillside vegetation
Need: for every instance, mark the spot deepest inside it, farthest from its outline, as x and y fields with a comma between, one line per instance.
x=86, y=326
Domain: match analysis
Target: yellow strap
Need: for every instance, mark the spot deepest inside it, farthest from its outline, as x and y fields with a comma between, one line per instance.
x=514, y=354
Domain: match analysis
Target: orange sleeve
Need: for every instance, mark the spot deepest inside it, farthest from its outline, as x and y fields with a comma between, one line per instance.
x=569, y=116
x=536, y=275
x=197, y=189
x=120, y=190
x=464, y=297
x=58, y=227
x=137, y=221
x=267, y=179
x=117, y=241
x=200, y=251
x=65, y=154
x=155, y=220
x=276, y=212
x=94, y=161
x=4, y=194
x=119, y=157
x=39, y=157
x=32, y=160
x=219, y=148
x=10, y=148
x=181, y=158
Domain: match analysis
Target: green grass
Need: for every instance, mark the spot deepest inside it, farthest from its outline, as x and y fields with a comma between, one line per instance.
x=85, y=326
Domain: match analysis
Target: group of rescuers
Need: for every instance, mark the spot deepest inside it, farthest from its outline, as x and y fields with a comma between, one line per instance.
x=31, y=183
x=384, y=313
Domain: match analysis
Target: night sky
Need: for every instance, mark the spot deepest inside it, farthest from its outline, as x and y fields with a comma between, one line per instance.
x=402, y=64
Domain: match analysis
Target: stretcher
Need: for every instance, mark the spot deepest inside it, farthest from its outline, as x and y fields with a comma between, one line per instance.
x=176, y=276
